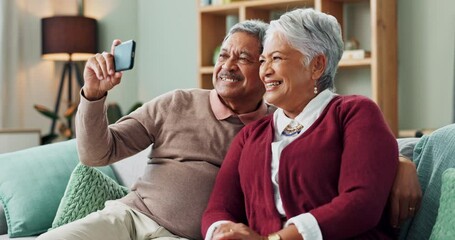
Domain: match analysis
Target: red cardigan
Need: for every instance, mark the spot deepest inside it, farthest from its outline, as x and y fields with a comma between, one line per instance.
x=340, y=170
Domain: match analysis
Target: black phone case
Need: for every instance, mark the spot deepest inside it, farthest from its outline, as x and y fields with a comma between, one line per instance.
x=124, y=56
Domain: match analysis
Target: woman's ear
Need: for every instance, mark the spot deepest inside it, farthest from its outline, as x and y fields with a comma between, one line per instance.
x=318, y=65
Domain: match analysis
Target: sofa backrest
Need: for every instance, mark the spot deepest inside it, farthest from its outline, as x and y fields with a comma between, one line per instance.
x=129, y=169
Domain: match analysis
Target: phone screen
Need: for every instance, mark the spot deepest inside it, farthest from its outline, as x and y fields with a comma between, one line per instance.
x=124, y=55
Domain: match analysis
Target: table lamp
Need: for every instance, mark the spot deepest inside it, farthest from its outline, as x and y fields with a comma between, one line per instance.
x=67, y=39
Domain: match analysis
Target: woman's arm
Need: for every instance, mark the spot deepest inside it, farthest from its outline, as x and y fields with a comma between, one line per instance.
x=226, y=200
x=406, y=193
x=368, y=168
x=232, y=230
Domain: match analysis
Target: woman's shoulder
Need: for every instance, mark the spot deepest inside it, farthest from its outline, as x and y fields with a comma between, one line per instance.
x=353, y=102
x=259, y=125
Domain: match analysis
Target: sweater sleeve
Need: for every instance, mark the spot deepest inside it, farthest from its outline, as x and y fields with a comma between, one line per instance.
x=226, y=200
x=101, y=144
x=368, y=167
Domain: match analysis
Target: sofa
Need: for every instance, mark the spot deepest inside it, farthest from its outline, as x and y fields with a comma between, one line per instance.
x=38, y=179
x=48, y=169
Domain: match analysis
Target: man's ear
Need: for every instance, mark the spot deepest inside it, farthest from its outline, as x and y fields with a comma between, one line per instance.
x=318, y=65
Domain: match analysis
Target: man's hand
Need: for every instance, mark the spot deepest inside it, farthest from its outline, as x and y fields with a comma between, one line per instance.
x=406, y=193
x=100, y=75
x=235, y=231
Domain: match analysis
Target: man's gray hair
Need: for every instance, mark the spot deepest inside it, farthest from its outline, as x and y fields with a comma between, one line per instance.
x=255, y=28
x=312, y=33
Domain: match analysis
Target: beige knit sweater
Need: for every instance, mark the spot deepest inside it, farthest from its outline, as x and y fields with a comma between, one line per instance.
x=189, y=144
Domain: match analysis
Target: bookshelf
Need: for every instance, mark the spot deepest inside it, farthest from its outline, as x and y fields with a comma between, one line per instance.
x=383, y=36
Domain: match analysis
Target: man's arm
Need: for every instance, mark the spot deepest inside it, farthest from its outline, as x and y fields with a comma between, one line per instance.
x=97, y=143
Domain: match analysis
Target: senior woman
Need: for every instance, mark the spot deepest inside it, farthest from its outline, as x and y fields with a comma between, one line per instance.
x=322, y=166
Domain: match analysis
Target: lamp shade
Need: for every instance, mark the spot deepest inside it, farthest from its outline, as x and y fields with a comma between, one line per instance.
x=68, y=38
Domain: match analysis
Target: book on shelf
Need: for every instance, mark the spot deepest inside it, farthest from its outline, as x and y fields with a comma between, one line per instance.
x=355, y=54
x=217, y=2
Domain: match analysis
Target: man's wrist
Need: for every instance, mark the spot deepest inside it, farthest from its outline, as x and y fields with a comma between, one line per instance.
x=92, y=95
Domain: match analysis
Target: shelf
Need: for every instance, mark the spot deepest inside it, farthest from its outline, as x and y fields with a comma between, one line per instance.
x=213, y=22
x=343, y=64
x=226, y=9
x=232, y=8
x=355, y=63
x=206, y=70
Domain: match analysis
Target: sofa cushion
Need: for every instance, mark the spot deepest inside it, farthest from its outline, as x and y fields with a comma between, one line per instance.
x=445, y=221
x=87, y=191
x=32, y=182
x=128, y=170
x=406, y=146
x=432, y=157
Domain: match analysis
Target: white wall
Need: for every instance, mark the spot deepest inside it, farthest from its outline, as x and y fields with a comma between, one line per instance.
x=167, y=46
x=34, y=80
x=117, y=19
x=426, y=53
x=426, y=43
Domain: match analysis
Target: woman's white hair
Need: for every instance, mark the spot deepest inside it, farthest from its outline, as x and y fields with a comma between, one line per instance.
x=312, y=33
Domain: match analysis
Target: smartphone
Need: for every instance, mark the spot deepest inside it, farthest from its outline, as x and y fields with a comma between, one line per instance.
x=124, y=55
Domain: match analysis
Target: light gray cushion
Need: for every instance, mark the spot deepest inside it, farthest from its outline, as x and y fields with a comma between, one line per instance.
x=406, y=146
x=129, y=169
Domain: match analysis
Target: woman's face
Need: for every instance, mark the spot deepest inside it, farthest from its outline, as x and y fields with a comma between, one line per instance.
x=288, y=82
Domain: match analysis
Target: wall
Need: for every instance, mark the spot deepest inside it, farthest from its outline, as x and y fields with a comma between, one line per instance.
x=117, y=19
x=30, y=80
x=167, y=46
x=426, y=53
x=426, y=42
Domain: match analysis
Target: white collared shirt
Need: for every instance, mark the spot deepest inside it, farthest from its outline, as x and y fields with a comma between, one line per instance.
x=306, y=223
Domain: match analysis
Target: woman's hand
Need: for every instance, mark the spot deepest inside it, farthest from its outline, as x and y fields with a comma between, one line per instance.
x=100, y=75
x=406, y=193
x=235, y=231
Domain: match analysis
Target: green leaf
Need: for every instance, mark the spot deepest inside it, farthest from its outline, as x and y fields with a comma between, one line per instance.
x=46, y=139
x=71, y=110
x=114, y=112
x=134, y=107
x=45, y=111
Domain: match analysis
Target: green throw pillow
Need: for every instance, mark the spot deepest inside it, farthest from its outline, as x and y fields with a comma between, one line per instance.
x=87, y=191
x=445, y=222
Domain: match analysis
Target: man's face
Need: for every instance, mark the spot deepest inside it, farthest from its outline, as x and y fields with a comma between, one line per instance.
x=236, y=73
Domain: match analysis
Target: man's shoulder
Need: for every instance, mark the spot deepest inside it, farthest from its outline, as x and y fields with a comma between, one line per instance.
x=181, y=95
x=190, y=92
x=270, y=109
